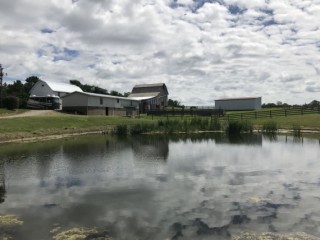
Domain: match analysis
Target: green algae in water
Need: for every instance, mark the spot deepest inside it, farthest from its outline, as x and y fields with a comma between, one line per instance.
x=74, y=234
x=9, y=221
x=274, y=236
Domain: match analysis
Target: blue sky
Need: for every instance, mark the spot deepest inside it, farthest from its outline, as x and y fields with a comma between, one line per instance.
x=202, y=49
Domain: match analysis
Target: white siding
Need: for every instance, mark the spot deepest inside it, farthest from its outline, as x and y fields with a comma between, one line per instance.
x=41, y=89
x=80, y=100
x=238, y=104
x=75, y=100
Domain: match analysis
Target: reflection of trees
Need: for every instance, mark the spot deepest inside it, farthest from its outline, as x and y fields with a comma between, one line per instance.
x=2, y=184
x=242, y=139
x=151, y=147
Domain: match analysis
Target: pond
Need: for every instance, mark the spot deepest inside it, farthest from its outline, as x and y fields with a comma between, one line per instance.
x=160, y=187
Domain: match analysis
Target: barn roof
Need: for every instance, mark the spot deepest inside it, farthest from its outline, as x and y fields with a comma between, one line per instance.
x=144, y=96
x=148, y=88
x=62, y=87
x=99, y=95
x=149, y=85
x=240, y=98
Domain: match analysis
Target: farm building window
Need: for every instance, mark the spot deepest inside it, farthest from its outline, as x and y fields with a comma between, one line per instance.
x=101, y=100
x=118, y=100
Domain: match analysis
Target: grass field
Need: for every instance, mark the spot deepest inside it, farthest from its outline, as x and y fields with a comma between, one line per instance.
x=6, y=112
x=33, y=126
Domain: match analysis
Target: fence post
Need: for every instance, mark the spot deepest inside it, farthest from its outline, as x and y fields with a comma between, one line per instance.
x=167, y=114
x=241, y=116
x=255, y=115
x=285, y=112
x=301, y=111
x=270, y=114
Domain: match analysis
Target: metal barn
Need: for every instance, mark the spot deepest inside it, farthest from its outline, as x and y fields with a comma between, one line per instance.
x=99, y=104
x=246, y=103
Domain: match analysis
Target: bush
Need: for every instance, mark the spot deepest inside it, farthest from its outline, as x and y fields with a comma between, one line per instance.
x=11, y=102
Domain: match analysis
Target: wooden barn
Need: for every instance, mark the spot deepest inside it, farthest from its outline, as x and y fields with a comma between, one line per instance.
x=245, y=103
x=151, y=96
x=99, y=104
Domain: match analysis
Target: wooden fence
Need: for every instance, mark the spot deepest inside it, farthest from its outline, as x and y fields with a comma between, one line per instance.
x=271, y=113
x=186, y=112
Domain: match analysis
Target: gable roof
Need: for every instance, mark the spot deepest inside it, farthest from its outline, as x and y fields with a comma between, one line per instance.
x=144, y=96
x=62, y=87
x=150, y=88
x=240, y=98
x=99, y=95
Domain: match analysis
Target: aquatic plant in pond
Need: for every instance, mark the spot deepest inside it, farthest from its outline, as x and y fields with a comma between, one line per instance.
x=296, y=131
x=270, y=127
x=237, y=127
x=121, y=130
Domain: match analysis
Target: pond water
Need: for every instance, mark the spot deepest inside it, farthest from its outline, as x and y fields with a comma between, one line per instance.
x=158, y=187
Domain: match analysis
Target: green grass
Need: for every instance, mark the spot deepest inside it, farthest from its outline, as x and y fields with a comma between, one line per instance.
x=49, y=125
x=5, y=112
x=308, y=121
x=24, y=127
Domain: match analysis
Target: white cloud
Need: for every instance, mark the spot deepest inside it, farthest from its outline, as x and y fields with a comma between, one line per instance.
x=201, y=51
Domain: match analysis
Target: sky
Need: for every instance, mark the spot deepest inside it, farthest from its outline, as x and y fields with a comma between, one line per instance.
x=201, y=49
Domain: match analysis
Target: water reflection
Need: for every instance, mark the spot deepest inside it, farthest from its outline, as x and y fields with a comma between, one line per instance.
x=159, y=187
x=2, y=184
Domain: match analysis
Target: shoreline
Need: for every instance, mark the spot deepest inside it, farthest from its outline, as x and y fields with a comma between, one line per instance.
x=102, y=132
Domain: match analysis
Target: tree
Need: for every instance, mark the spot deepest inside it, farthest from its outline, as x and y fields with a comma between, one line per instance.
x=11, y=102
x=30, y=82
x=174, y=103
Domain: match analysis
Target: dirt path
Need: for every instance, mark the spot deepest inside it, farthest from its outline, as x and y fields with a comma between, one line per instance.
x=33, y=113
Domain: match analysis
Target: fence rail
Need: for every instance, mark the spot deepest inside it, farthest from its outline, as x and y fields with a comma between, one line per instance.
x=271, y=113
x=187, y=112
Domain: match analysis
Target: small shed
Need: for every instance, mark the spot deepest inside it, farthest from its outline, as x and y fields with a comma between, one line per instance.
x=151, y=96
x=244, y=103
x=47, y=88
x=99, y=104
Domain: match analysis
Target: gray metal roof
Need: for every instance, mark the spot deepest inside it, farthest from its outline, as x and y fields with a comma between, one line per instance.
x=240, y=98
x=62, y=87
x=149, y=85
x=145, y=94
x=100, y=95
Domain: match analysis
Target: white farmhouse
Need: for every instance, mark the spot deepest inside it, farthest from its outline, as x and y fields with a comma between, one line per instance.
x=245, y=103
x=99, y=104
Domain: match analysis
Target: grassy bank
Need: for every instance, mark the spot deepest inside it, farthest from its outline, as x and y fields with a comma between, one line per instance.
x=37, y=126
x=25, y=127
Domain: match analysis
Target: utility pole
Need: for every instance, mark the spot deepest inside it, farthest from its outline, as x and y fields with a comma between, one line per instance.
x=1, y=85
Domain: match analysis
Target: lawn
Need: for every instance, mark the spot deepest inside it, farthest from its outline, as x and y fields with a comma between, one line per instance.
x=61, y=124
x=6, y=112
x=33, y=126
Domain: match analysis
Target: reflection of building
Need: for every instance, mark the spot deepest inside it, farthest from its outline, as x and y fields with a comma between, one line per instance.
x=152, y=96
x=249, y=103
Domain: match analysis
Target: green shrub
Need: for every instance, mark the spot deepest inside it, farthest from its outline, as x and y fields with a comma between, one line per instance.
x=11, y=102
